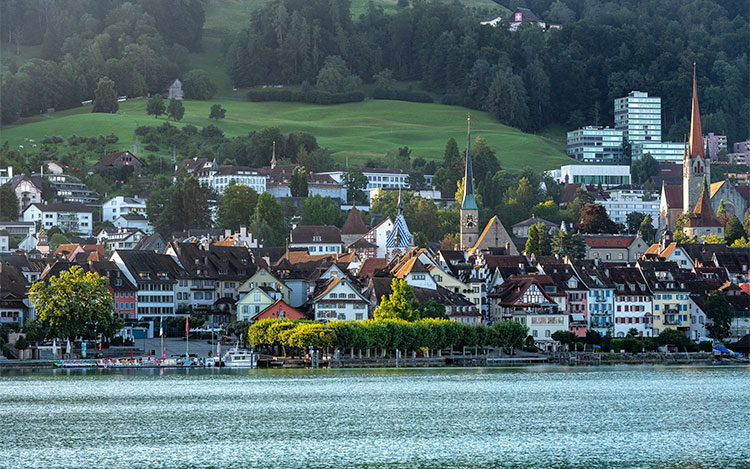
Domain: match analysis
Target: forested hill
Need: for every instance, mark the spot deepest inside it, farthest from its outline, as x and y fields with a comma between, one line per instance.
x=527, y=79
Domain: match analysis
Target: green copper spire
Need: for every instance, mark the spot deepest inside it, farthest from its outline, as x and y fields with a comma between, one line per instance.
x=469, y=202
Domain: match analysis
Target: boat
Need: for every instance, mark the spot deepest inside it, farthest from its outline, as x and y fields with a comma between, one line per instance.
x=240, y=359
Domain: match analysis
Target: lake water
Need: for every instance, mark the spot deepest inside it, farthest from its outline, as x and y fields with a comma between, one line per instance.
x=542, y=416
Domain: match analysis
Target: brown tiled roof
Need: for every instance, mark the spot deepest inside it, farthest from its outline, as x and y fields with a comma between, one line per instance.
x=568, y=192
x=674, y=196
x=622, y=241
x=354, y=224
x=305, y=234
x=369, y=266
x=412, y=265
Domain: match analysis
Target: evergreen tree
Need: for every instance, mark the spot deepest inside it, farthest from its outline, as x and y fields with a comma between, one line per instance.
x=298, y=182
x=719, y=314
x=9, y=205
x=733, y=230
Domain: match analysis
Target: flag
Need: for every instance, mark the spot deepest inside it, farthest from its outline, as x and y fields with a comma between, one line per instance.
x=161, y=327
x=187, y=326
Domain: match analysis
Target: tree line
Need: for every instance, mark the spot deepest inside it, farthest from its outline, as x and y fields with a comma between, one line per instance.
x=139, y=46
x=528, y=78
x=382, y=336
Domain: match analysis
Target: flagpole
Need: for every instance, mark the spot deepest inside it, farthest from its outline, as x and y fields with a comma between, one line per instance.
x=161, y=335
x=187, y=337
x=212, y=336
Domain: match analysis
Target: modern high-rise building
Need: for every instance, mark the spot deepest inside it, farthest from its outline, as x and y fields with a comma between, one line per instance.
x=638, y=116
x=598, y=145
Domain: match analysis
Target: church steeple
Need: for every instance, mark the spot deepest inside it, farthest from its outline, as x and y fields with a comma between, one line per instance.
x=695, y=144
x=273, y=156
x=469, y=202
x=469, y=209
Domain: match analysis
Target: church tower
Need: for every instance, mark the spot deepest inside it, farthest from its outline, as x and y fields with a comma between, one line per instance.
x=469, y=209
x=695, y=165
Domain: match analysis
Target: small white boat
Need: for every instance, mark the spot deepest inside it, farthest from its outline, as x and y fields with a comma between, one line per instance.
x=240, y=359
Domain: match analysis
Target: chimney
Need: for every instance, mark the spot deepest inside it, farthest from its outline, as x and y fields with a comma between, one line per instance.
x=227, y=233
x=243, y=231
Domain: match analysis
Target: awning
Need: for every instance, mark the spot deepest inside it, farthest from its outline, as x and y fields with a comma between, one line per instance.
x=722, y=349
x=578, y=317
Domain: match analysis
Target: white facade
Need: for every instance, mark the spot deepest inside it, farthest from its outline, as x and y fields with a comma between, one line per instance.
x=116, y=206
x=138, y=222
x=625, y=201
x=542, y=325
x=4, y=242
x=697, y=322
x=120, y=239
x=606, y=175
x=592, y=144
x=381, y=178
x=72, y=220
x=341, y=302
x=319, y=247
x=638, y=116
x=633, y=312
x=220, y=180
x=660, y=151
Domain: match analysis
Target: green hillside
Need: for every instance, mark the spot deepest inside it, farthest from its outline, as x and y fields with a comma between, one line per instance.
x=354, y=131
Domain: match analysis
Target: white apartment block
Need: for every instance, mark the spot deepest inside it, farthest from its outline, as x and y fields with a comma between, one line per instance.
x=622, y=202
x=638, y=116
x=68, y=217
x=116, y=206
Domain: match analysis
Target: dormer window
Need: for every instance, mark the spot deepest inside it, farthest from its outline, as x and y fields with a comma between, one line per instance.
x=316, y=239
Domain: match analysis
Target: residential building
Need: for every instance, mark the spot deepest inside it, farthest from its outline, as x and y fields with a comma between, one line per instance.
x=4, y=241
x=27, y=191
x=317, y=239
x=624, y=200
x=597, y=145
x=14, y=305
x=607, y=176
x=118, y=238
x=18, y=229
x=614, y=248
x=133, y=221
x=156, y=278
x=122, y=289
x=633, y=302
x=638, y=117
x=264, y=278
x=715, y=144
x=660, y=151
x=118, y=161
x=223, y=176
x=67, y=189
x=521, y=229
x=338, y=299
x=379, y=178
x=116, y=206
x=256, y=300
x=671, y=296
x=279, y=309
x=599, y=295
x=70, y=217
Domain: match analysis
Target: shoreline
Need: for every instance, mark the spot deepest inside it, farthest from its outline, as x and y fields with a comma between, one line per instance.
x=566, y=359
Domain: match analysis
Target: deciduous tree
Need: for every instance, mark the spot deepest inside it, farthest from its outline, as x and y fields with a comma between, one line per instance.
x=155, y=106
x=719, y=315
x=105, y=96
x=75, y=304
x=9, y=205
x=237, y=207
x=217, y=112
x=400, y=304
x=176, y=109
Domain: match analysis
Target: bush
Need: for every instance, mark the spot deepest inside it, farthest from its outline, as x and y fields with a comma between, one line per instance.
x=52, y=140
x=580, y=346
x=705, y=346
x=402, y=95
x=198, y=85
x=151, y=147
x=617, y=344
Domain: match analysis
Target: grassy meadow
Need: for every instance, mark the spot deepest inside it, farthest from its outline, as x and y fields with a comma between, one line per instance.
x=355, y=132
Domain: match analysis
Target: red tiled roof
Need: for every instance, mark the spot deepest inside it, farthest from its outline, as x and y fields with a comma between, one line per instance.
x=354, y=223
x=608, y=241
x=674, y=196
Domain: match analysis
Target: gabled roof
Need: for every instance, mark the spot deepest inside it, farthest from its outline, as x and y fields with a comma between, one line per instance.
x=111, y=158
x=67, y=208
x=331, y=284
x=673, y=195
x=568, y=192
x=280, y=305
x=410, y=266
x=715, y=186
x=306, y=234
x=527, y=14
x=609, y=241
x=703, y=216
x=533, y=221
x=354, y=224
x=369, y=266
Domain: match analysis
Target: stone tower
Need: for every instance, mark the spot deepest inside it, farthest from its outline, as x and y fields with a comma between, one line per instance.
x=469, y=209
x=695, y=165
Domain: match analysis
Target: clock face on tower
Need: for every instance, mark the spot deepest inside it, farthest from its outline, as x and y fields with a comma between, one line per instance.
x=470, y=221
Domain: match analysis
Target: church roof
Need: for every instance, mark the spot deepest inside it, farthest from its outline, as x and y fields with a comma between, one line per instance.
x=673, y=195
x=354, y=224
x=469, y=202
x=703, y=215
x=695, y=144
x=715, y=187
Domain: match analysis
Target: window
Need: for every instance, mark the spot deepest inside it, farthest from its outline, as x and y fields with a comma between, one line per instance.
x=359, y=316
x=256, y=297
x=333, y=295
x=534, y=332
x=351, y=295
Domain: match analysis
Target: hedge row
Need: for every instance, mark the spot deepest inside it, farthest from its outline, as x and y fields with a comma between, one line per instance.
x=402, y=95
x=392, y=334
x=311, y=97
